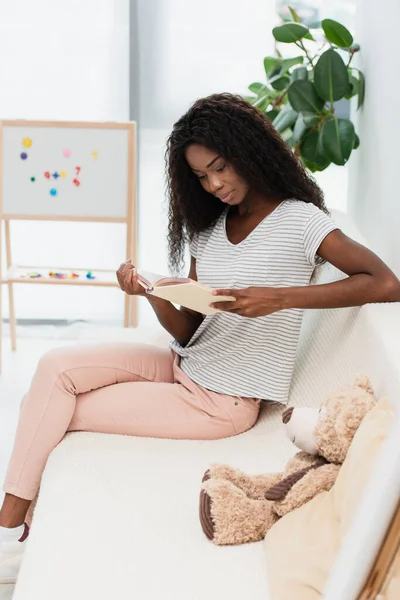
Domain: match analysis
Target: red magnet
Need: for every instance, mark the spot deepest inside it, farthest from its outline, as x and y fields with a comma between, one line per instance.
x=76, y=182
x=47, y=175
x=78, y=170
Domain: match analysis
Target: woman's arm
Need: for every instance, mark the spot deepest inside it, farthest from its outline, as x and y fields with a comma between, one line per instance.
x=370, y=280
x=181, y=324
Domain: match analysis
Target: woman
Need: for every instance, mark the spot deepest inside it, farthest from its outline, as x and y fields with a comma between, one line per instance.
x=257, y=227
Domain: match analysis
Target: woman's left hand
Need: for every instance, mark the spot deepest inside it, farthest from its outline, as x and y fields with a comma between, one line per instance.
x=251, y=302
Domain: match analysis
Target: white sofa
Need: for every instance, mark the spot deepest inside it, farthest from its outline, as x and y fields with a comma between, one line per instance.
x=117, y=516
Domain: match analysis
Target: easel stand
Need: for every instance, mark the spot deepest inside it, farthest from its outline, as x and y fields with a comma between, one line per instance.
x=103, y=278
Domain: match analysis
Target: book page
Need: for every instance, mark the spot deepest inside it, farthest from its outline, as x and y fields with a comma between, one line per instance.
x=148, y=279
x=191, y=295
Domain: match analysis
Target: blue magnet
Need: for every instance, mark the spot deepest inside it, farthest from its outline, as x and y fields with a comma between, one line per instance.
x=55, y=175
x=53, y=192
x=24, y=155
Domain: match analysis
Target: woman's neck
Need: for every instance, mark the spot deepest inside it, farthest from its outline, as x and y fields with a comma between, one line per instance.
x=257, y=204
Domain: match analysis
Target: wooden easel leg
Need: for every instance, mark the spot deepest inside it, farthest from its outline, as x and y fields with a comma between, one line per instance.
x=1, y=321
x=134, y=304
x=13, y=328
x=1, y=295
x=127, y=310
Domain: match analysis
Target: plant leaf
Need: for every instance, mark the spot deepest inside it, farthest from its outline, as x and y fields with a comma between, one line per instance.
x=272, y=65
x=271, y=114
x=299, y=73
x=288, y=63
x=295, y=16
x=286, y=135
x=309, y=118
x=298, y=130
x=356, y=142
x=312, y=152
x=303, y=97
x=280, y=83
x=337, y=136
x=361, y=89
x=258, y=88
x=354, y=87
x=337, y=33
x=289, y=32
x=313, y=168
x=262, y=102
x=286, y=118
x=331, y=79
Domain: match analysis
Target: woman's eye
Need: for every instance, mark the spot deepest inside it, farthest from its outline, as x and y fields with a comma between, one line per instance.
x=200, y=176
x=221, y=168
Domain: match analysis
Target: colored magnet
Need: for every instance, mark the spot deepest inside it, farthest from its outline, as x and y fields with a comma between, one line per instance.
x=33, y=178
x=53, y=192
x=63, y=173
x=76, y=182
x=27, y=142
x=58, y=275
x=55, y=175
x=78, y=170
x=47, y=175
x=67, y=153
x=24, y=155
x=73, y=276
x=94, y=154
x=89, y=275
x=33, y=275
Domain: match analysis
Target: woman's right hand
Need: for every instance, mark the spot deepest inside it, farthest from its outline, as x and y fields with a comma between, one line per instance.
x=128, y=281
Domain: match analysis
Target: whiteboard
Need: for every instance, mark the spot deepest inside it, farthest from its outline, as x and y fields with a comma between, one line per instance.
x=67, y=170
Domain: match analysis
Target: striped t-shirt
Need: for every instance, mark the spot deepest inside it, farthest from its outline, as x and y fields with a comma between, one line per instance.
x=254, y=357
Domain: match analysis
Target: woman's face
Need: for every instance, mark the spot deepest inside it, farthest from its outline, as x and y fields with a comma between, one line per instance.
x=216, y=176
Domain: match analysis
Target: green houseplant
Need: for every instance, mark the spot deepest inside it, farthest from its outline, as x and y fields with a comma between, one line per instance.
x=300, y=93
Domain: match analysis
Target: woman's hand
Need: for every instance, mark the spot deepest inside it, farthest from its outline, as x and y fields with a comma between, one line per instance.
x=128, y=281
x=251, y=302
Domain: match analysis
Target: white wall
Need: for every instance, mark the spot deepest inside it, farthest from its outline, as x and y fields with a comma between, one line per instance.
x=374, y=169
x=192, y=49
x=65, y=60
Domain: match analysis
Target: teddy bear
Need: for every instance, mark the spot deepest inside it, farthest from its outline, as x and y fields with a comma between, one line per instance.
x=236, y=508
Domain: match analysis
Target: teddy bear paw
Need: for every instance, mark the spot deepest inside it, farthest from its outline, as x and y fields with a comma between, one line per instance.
x=228, y=516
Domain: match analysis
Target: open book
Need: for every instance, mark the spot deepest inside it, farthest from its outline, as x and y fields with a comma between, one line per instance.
x=183, y=291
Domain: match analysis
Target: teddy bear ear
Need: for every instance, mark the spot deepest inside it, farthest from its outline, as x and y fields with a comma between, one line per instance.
x=364, y=383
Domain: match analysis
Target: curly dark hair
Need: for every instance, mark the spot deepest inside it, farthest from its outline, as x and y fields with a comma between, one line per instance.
x=246, y=139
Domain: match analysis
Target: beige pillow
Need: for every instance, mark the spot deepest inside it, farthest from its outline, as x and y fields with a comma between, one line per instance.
x=302, y=546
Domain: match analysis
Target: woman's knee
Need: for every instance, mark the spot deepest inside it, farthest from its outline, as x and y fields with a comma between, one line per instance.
x=55, y=359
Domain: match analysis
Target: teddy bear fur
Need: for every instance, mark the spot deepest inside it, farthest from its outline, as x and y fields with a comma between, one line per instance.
x=236, y=508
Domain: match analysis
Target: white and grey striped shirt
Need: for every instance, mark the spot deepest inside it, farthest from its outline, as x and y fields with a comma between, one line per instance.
x=254, y=357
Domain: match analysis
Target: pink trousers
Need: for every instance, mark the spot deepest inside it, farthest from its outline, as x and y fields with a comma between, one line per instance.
x=115, y=388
